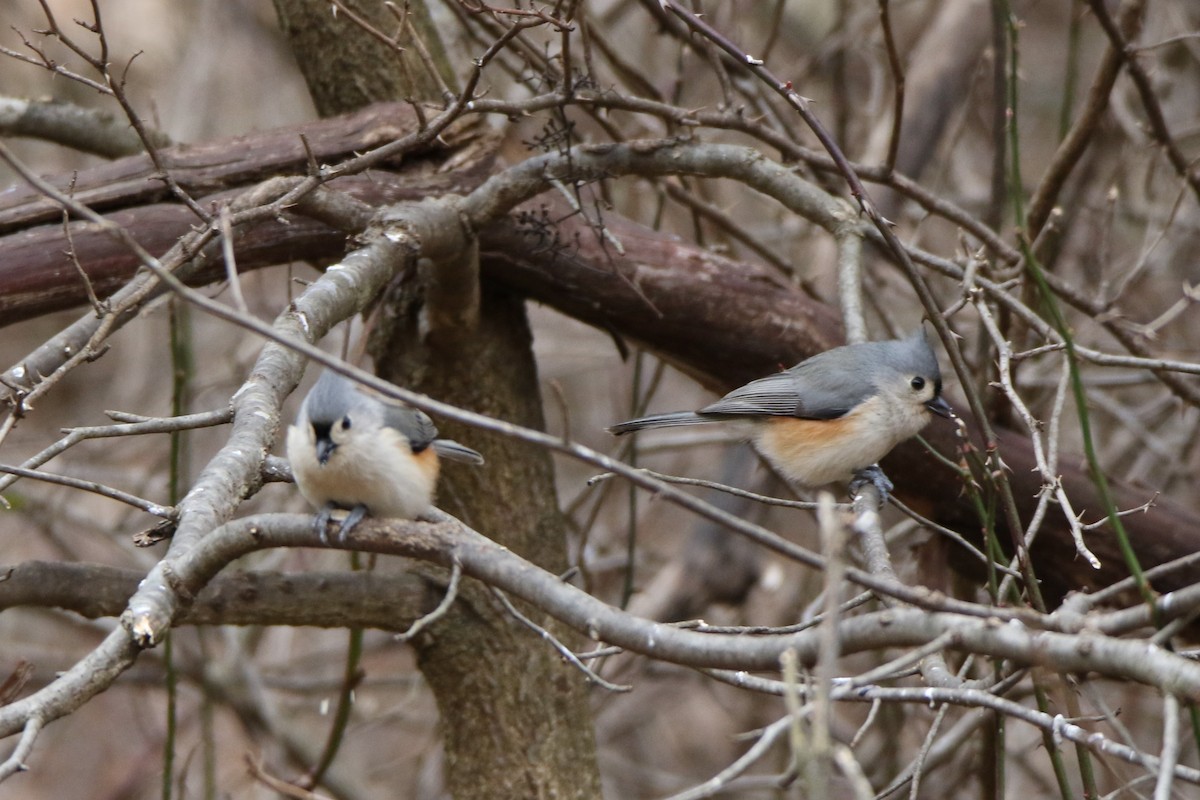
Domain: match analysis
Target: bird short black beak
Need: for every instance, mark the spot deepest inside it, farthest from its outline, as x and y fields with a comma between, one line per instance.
x=325, y=448
x=940, y=407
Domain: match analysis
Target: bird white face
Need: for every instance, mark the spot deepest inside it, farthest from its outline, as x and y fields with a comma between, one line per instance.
x=328, y=436
x=909, y=397
x=922, y=389
x=330, y=432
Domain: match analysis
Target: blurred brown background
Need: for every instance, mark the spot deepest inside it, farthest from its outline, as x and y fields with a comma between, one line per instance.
x=208, y=69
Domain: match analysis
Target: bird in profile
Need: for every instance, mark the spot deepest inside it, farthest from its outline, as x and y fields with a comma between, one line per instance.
x=355, y=450
x=832, y=417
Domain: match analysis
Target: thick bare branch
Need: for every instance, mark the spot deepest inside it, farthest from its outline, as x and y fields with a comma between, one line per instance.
x=331, y=599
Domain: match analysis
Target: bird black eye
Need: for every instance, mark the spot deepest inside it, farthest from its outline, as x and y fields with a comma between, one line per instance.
x=918, y=383
x=345, y=423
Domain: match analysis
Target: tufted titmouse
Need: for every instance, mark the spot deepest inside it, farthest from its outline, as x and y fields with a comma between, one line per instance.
x=831, y=417
x=355, y=450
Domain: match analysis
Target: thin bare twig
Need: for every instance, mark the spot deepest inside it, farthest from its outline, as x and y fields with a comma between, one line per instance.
x=156, y=509
x=442, y=607
x=563, y=650
x=16, y=762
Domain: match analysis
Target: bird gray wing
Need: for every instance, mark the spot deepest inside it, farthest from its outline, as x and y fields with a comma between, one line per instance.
x=421, y=433
x=416, y=425
x=801, y=392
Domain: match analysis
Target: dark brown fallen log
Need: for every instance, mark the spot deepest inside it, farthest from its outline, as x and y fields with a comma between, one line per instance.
x=37, y=274
x=212, y=167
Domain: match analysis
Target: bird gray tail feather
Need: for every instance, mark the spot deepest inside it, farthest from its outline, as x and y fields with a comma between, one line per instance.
x=661, y=421
x=448, y=448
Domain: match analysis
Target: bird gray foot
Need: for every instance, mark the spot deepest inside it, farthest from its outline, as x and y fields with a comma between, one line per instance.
x=353, y=518
x=874, y=476
x=321, y=523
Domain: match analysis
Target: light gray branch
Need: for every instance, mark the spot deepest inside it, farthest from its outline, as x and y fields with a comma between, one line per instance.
x=89, y=130
x=128, y=427
x=441, y=542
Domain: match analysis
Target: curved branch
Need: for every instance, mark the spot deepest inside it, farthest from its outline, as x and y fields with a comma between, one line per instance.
x=443, y=541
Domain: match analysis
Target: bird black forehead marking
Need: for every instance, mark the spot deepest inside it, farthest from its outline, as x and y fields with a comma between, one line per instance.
x=331, y=398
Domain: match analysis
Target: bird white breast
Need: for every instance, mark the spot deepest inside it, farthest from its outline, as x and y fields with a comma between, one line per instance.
x=816, y=452
x=378, y=471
